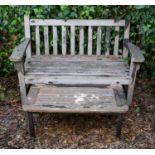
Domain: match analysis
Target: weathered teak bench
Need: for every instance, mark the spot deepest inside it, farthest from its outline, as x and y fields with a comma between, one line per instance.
x=76, y=78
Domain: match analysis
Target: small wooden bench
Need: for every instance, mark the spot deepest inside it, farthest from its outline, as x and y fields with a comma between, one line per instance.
x=74, y=73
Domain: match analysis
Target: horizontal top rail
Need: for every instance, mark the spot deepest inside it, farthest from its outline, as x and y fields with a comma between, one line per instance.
x=77, y=22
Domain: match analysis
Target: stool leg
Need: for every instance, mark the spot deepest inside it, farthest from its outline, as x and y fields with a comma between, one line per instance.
x=119, y=126
x=31, y=124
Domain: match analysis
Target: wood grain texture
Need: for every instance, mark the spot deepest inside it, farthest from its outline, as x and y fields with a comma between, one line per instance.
x=20, y=51
x=126, y=37
x=89, y=49
x=75, y=58
x=37, y=35
x=116, y=43
x=119, y=95
x=81, y=42
x=72, y=40
x=77, y=22
x=76, y=69
x=23, y=91
x=63, y=33
x=107, y=40
x=135, y=52
x=27, y=34
x=75, y=80
x=74, y=99
x=55, y=40
x=99, y=34
x=134, y=67
x=46, y=40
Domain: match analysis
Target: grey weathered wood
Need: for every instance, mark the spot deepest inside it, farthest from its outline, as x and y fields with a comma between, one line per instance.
x=77, y=70
x=136, y=53
x=81, y=42
x=134, y=67
x=80, y=67
x=136, y=58
x=99, y=33
x=55, y=40
x=74, y=99
x=75, y=80
x=77, y=22
x=37, y=35
x=119, y=95
x=63, y=30
x=33, y=94
x=20, y=51
x=107, y=41
x=89, y=50
x=46, y=40
x=75, y=58
x=72, y=40
x=27, y=34
x=20, y=69
x=126, y=37
x=116, y=43
x=76, y=83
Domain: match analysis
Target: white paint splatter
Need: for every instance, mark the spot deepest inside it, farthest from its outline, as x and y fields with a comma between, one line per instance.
x=79, y=98
x=93, y=97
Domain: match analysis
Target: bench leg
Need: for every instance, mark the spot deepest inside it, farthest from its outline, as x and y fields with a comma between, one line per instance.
x=31, y=124
x=153, y=126
x=119, y=126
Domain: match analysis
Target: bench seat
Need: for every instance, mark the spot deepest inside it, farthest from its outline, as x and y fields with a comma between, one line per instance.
x=74, y=70
x=107, y=99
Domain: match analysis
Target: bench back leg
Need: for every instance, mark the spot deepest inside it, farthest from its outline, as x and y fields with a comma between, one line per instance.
x=119, y=126
x=30, y=124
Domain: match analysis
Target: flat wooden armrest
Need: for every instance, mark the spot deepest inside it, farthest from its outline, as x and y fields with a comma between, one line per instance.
x=19, y=51
x=136, y=53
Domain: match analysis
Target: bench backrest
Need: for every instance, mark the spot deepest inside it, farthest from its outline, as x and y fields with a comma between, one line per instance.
x=83, y=37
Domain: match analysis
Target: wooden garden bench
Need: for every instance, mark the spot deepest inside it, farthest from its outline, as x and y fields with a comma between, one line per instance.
x=66, y=69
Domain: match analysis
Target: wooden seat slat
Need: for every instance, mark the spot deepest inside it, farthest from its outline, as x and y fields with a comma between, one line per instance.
x=76, y=99
x=78, y=71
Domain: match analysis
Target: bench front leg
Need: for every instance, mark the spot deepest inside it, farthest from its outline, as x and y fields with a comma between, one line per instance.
x=20, y=70
x=134, y=67
x=136, y=59
x=18, y=58
x=23, y=93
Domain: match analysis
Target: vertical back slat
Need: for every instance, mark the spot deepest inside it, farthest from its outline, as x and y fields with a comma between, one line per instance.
x=89, y=40
x=55, y=39
x=81, y=42
x=116, y=43
x=107, y=41
x=46, y=40
x=64, y=37
x=98, y=49
x=63, y=29
x=72, y=40
x=27, y=34
x=126, y=36
x=37, y=32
